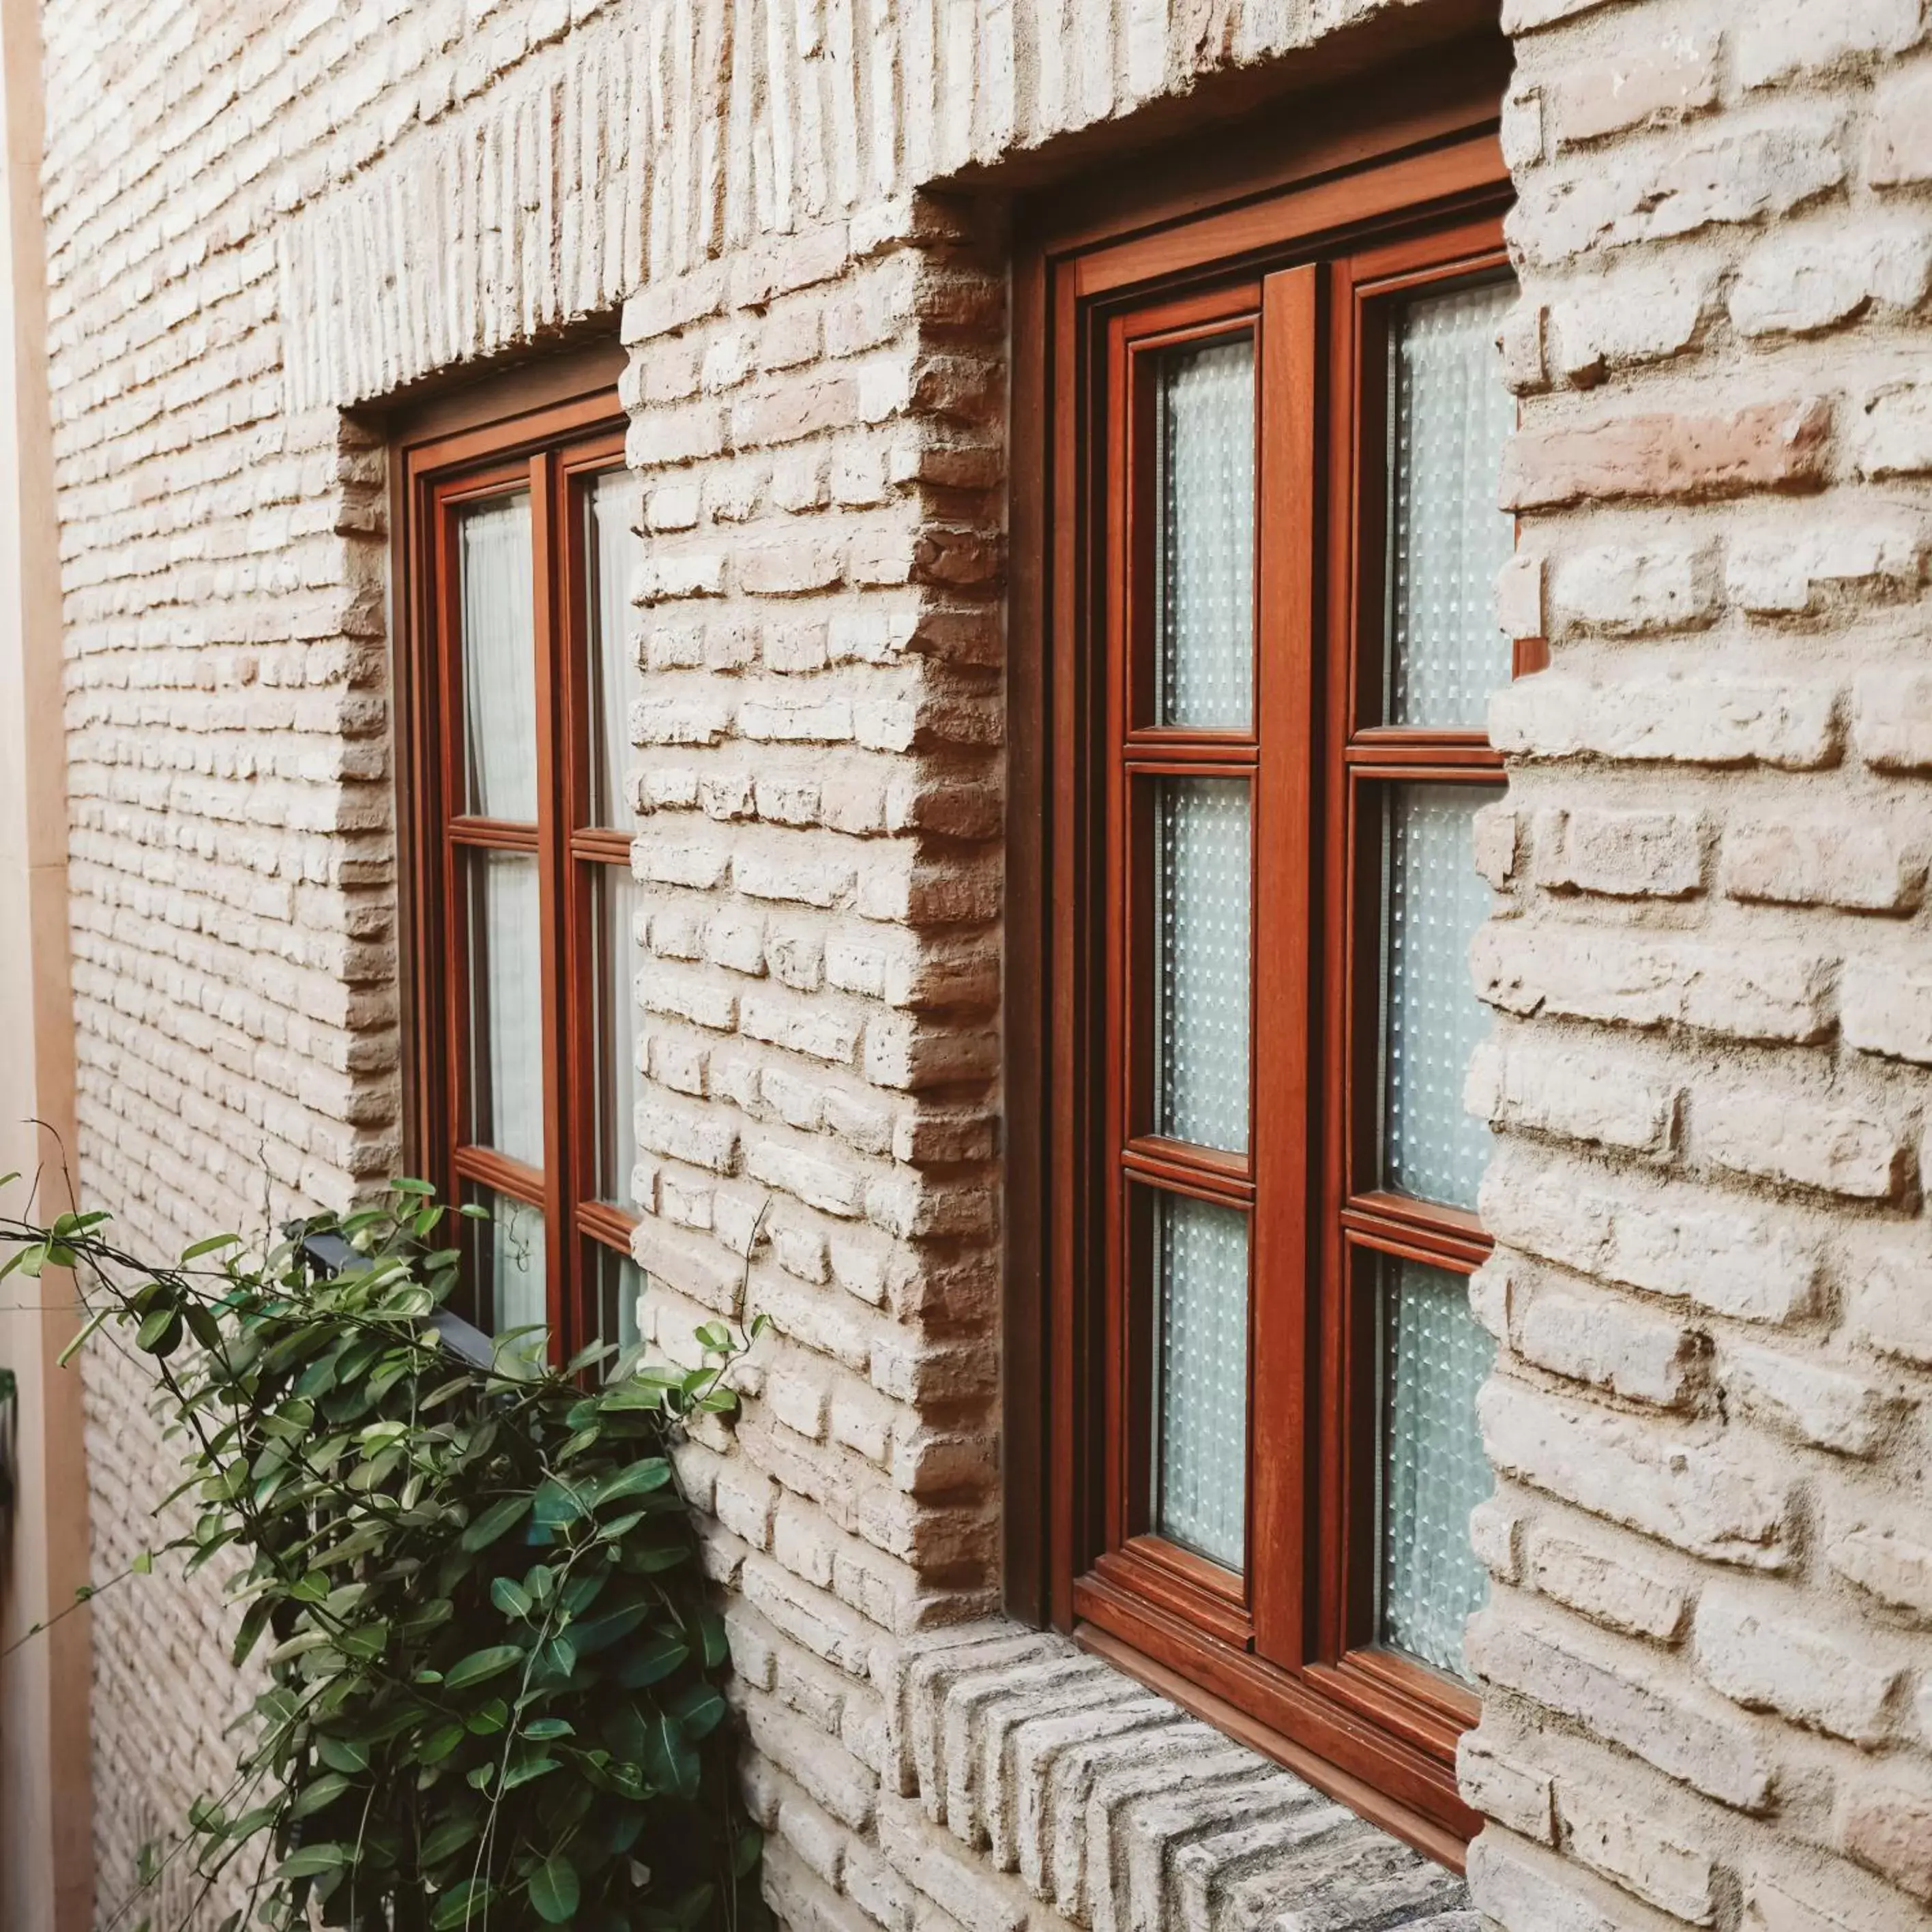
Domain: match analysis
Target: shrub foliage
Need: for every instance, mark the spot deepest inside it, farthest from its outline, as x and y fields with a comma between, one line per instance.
x=493, y=1669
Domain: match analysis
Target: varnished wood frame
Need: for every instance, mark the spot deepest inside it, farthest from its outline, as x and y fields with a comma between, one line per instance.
x=1383, y=1738
x=549, y=432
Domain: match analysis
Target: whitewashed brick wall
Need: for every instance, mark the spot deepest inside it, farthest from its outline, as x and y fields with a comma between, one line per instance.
x=1709, y=1701
x=1709, y=1686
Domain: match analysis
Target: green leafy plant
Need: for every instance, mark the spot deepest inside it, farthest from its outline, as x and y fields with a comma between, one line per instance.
x=494, y=1670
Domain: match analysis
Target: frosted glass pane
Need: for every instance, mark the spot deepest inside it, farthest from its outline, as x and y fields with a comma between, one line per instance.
x=1204, y=556
x=506, y=1063
x=620, y=1283
x=1203, y=965
x=508, y=1275
x=1434, y=1358
x=1449, y=416
x=1432, y=1020
x=499, y=708
x=1200, y=1375
x=614, y=903
x=612, y=513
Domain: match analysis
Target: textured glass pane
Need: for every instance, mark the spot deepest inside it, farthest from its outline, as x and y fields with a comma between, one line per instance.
x=1205, y=557
x=1432, y=1020
x=620, y=1284
x=614, y=903
x=1434, y=1358
x=1201, y=983
x=506, y=1063
x=1449, y=416
x=507, y=1281
x=499, y=710
x=1200, y=1375
x=612, y=515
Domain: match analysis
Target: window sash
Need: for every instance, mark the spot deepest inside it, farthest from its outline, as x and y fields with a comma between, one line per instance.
x=556, y=454
x=1289, y=1633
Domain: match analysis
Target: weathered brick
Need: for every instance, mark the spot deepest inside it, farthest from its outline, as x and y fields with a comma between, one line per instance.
x=1606, y=1585
x=1573, y=1095
x=1767, y=446
x=1765, y=1659
x=1621, y=1697
x=1664, y=81
x=1853, y=862
x=1828, y=272
x=1889, y=1556
x=1609, y=1831
x=1688, y=720
x=1624, y=591
x=1898, y=140
x=1693, y=1496
x=1871, y=551
x=1621, y=854
x=1884, y=1821
x=1892, y=719
x=1834, y=1150
x=1787, y=38
x=1829, y=1407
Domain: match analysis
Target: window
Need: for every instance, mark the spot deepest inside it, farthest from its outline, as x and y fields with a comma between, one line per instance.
x=1268, y=498
x=516, y=549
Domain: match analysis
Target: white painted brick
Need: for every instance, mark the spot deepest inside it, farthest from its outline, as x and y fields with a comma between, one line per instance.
x=1787, y=38
x=1855, y=862
x=1764, y=1658
x=1624, y=590
x=1873, y=550
x=1606, y=1585
x=1608, y=1830
x=1623, y=854
x=1697, y=1497
x=1835, y=1150
x=1827, y=1407
x=1813, y=277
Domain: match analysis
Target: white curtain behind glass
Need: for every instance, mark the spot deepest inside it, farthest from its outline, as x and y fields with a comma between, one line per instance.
x=616, y=907
x=613, y=512
x=517, y=1274
x=498, y=658
x=506, y=993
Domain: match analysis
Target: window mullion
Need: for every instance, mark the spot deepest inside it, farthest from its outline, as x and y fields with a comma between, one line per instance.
x=553, y=772
x=1285, y=1112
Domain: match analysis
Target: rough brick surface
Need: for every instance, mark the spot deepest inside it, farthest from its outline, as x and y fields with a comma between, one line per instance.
x=1712, y=1549
x=1706, y=1657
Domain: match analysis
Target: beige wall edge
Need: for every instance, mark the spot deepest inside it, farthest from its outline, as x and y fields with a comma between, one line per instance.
x=45, y=1826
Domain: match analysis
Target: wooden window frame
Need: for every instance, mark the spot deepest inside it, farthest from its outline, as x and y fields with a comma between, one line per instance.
x=551, y=429
x=1316, y=243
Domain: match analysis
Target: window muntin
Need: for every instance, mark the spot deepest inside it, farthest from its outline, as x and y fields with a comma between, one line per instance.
x=1310, y=1561
x=517, y=553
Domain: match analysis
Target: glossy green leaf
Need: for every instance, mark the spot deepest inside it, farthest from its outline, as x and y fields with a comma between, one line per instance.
x=481, y=1665
x=494, y=1521
x=553, y=1889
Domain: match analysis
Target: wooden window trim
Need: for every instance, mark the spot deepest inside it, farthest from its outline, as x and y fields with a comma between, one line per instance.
x=550, y=429
x=1364, y=1723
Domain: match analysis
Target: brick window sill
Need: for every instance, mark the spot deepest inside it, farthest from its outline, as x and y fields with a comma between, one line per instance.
x=1029, y=1773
